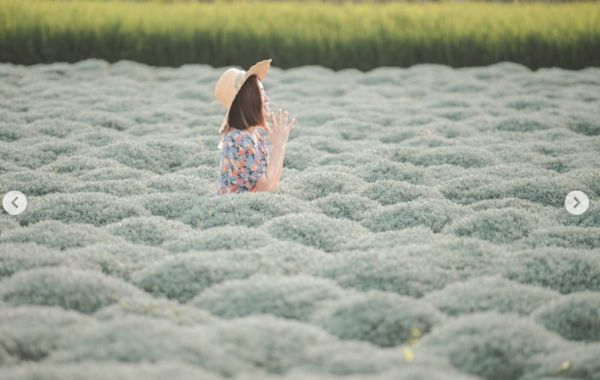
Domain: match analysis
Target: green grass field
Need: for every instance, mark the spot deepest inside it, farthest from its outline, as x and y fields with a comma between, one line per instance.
x=363, y=36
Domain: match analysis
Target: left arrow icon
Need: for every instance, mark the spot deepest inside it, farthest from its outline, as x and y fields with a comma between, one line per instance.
x=9, y=202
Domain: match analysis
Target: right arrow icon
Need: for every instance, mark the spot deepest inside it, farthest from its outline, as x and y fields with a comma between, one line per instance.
x=576, y=202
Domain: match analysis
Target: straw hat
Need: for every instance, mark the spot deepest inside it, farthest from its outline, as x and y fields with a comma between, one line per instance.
x=229, y=85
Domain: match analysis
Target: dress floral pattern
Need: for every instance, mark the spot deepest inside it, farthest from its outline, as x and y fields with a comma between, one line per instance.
x=243, y=161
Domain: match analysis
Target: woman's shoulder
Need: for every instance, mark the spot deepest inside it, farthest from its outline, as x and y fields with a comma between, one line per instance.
x=262, y=132
x=256, y=135
x=242, y=137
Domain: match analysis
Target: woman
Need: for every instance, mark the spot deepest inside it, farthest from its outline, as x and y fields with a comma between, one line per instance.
x=246, y=164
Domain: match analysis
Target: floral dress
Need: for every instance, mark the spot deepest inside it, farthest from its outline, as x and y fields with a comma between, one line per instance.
x=243, y=161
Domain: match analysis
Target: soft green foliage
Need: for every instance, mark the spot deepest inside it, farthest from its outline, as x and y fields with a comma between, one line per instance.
x=34, y=182
x=39, y=151
x=159, y=308
x=90, y=208
x=386, y=270
x=491, y=345
x=345, y=206
x=389, y=192
x=576, y=362
x=270, y=343
x=561, y=269
x=151, y=230
x=135, y=339
x=426, y=196
x=313, y=184
x=498, y=226
x=216, y=238
x=29, y=333
x=159, y=157
x=22, y=256
x=568, y=237
x=84, y=291
x=314, y=230
x=433, y=213
x=363, y=36
x=575, y=316
x=389, y=170
x=183, y=276
x=119, y=260
x=463, y=157
x=99, y=370
x=541, y=190
x=384, y=319
x=246, y=209
x=354, y=359
x=489, y=293
x=293, y=297
x=59, y=235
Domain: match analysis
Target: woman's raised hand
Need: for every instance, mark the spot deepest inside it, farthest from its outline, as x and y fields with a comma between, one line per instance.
x=280, y=127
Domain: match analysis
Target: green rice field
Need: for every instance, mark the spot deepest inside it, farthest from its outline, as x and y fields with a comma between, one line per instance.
x=333, y=35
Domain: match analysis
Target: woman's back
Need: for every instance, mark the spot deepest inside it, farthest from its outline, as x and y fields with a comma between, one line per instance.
x=244, y=160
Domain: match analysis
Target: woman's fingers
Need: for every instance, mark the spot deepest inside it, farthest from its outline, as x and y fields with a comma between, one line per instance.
x=280, y=116
x=281, y=121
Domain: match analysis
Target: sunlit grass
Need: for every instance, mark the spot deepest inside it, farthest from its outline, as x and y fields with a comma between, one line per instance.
x=293, y=34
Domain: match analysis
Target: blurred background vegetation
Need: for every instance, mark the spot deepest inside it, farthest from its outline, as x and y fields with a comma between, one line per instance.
x=336, y=34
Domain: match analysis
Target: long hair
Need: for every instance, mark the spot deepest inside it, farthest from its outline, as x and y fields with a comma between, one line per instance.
x=247, y=108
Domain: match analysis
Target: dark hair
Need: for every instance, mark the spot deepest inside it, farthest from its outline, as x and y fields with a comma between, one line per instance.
x=246, y=109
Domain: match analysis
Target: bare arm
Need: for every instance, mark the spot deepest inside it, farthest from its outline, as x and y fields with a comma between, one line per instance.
x=278, y=178
x=270, y=180
x=278, y=134
x=280, y=170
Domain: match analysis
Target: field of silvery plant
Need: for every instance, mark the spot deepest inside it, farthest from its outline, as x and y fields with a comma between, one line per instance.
x=418, y=232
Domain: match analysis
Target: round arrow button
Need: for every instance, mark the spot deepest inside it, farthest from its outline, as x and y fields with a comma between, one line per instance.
x=14, y=202
x=577, y=202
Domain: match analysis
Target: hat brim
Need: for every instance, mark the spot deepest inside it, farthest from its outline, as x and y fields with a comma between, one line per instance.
x=260, y=69
x=223, y=130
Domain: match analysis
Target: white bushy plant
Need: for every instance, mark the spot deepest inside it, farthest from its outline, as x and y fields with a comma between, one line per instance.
x=172, y=369
x=314, y=230
x=29, y=333
x=382, y=318
x=389, y=192
x=91, y=208
x=345, y=206
x=498, y=226
x=55, y=234
x=492, y=346
x=150, y=230
x=432, y=213
x=220, y=237
x=564, y=270
x=159, y=308
x=316, y=183
x=82, y=290
x=380, y=169
x=574, y=316
x=493, y=293
x=183, y=276
x=292, y=297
